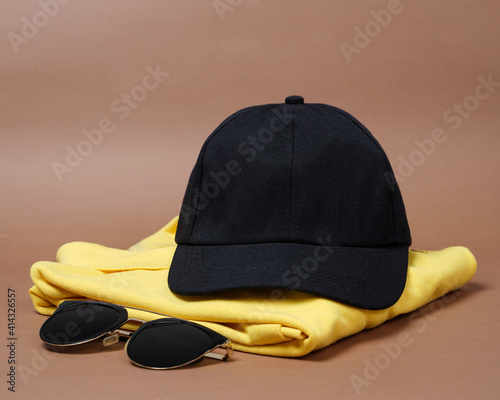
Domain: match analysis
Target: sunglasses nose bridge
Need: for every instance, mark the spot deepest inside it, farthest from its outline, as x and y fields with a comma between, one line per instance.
x=111, y=339
x=136, y=320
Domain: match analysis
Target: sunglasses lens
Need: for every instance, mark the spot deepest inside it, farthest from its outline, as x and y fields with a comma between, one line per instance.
x=169, y=343
x=81, y=323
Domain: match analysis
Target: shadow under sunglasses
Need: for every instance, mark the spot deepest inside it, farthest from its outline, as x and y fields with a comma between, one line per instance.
x=163, y=343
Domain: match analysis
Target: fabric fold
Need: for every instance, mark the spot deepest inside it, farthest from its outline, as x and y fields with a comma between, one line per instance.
x=257, y=321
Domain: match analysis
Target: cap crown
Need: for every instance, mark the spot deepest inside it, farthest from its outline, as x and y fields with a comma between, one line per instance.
x=292, y=173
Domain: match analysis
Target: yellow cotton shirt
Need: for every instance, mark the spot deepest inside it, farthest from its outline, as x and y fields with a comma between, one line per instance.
x=291, y=326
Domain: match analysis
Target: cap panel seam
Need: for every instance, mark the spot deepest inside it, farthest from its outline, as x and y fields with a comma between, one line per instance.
x=227, y=121
x=283, y=193
x=292, y=165
x=299, y=163
x=377, y=145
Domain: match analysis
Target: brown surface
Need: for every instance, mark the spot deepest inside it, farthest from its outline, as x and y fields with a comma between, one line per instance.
x=64, y=79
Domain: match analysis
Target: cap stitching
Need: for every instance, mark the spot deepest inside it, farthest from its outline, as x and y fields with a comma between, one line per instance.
x=299, y=166
x=376, y=143
x=292, y=213
x=284, y=191
x=202, y=161
x=196, y=260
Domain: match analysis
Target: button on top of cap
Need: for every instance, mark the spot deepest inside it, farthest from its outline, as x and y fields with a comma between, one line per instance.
x=294, y=100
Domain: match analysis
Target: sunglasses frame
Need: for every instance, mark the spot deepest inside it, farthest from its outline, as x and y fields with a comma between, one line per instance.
x=112, y=335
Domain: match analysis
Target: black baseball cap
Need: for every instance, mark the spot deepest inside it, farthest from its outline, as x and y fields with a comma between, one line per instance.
x=293, y=196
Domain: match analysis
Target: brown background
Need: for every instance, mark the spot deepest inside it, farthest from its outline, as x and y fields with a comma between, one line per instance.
x=64, y=79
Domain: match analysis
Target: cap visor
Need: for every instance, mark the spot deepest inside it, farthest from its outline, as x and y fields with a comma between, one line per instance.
x=369, y=278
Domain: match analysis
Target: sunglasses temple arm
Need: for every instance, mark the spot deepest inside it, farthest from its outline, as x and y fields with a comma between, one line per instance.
x=222, y=357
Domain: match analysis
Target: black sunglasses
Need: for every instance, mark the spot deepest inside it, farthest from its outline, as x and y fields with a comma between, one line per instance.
x=159, y=344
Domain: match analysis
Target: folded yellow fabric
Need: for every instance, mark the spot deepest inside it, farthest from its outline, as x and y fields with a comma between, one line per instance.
x=256, y=322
